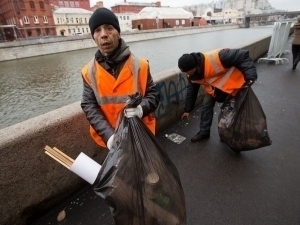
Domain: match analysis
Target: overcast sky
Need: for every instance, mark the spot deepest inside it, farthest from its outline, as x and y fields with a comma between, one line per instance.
x=278, y=4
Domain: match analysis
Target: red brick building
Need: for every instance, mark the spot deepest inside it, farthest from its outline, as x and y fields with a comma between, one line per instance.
x=84, y=4
x=25, y=19
x=163, y=17
x=132, y=7
x=98, y=5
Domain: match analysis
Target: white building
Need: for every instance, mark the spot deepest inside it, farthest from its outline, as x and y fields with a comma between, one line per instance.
x=125, y=21
x=226, y=16
x=72, y=21
x=241, y=5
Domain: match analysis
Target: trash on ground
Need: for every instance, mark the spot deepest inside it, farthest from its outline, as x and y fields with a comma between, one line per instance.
x=176, y=138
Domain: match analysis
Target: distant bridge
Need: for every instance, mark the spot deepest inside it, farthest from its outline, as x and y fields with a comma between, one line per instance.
x=261, y=18
x=282, y=13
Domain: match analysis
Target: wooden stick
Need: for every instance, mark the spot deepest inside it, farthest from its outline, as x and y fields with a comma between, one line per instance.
x=57, y=160
x=58, y=156
x=66, y=156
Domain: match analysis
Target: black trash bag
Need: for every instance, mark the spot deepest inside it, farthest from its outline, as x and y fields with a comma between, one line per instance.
x=138, y=180
x=242, y=122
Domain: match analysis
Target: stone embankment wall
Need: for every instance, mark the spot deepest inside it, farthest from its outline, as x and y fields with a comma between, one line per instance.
x=32, y=183
x=32, y=48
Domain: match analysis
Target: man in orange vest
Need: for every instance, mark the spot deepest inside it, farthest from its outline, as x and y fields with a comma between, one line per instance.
x=220, y=73
x=110, y=77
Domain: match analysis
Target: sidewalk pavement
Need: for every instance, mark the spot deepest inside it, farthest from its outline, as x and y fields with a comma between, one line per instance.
x=221, y=187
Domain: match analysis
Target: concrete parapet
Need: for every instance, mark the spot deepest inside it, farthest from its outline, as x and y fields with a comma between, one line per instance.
x=32, y=48
x=32, y=183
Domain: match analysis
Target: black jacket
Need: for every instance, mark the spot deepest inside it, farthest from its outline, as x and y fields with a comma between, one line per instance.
x=114, y=65
x=238, y=58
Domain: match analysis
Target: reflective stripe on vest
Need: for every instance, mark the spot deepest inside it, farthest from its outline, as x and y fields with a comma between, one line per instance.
x=222, y=79
x=225, y=79
x=211, y=56
x=113, y=99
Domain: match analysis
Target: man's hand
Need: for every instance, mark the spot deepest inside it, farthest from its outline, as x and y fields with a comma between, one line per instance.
x=132, y=112
x=197, y=81
x=187, y=115
x=110, y=142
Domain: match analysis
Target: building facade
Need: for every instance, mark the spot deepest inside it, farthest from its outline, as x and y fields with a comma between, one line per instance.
x=84, y=4
x=132, y=7
x=25, y=19
x=98, y=4
x=125, y=21
x=246, y=6
x=163, y=17
x=72, y=21
x=226, y=16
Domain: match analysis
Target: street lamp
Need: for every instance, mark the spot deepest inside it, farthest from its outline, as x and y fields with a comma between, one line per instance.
x=157, y=20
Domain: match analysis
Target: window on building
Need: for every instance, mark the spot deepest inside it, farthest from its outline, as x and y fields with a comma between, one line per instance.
x=21, y=4
x=31, y=3
x=78, y=30
x=69, y=31
x=57, y=20
x=26, y=20
x=66, y=4
x=87, y=30
x=60, y=3
x=82, y=30
x=72, y=4
x=42, y=5
x=71, y=20
x=127, y=17
x=77, y=21
x=176, y=22
x=124, y=18
x=29, y=33
x=67, y=19
x=182, y=22
x=35, y=19
x=85, y=20
x=80, y=20
x=45, y=19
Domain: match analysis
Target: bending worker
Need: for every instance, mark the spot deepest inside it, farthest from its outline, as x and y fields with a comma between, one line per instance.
x=112, y=75
x=221, y=73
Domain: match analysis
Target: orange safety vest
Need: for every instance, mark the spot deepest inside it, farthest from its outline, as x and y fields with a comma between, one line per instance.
x=227, y=80
x=111, y=94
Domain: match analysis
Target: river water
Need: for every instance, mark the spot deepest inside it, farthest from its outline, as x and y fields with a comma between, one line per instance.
x=33, y=86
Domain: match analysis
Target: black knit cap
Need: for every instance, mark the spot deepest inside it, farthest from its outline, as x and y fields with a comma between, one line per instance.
x=103, y=16
x=187, y=62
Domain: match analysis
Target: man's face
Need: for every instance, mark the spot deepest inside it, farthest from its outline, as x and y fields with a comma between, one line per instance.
x=107, y=39
x=190, y=72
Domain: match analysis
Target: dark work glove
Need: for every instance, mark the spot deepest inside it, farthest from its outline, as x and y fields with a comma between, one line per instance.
x=248, y=83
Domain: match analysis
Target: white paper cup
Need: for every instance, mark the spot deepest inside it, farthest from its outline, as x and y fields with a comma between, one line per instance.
x=86, y=168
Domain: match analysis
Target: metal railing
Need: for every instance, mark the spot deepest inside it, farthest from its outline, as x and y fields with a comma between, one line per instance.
x=278, y=42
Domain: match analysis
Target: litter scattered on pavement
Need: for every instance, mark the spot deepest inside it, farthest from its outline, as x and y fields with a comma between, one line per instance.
x=178, y=139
